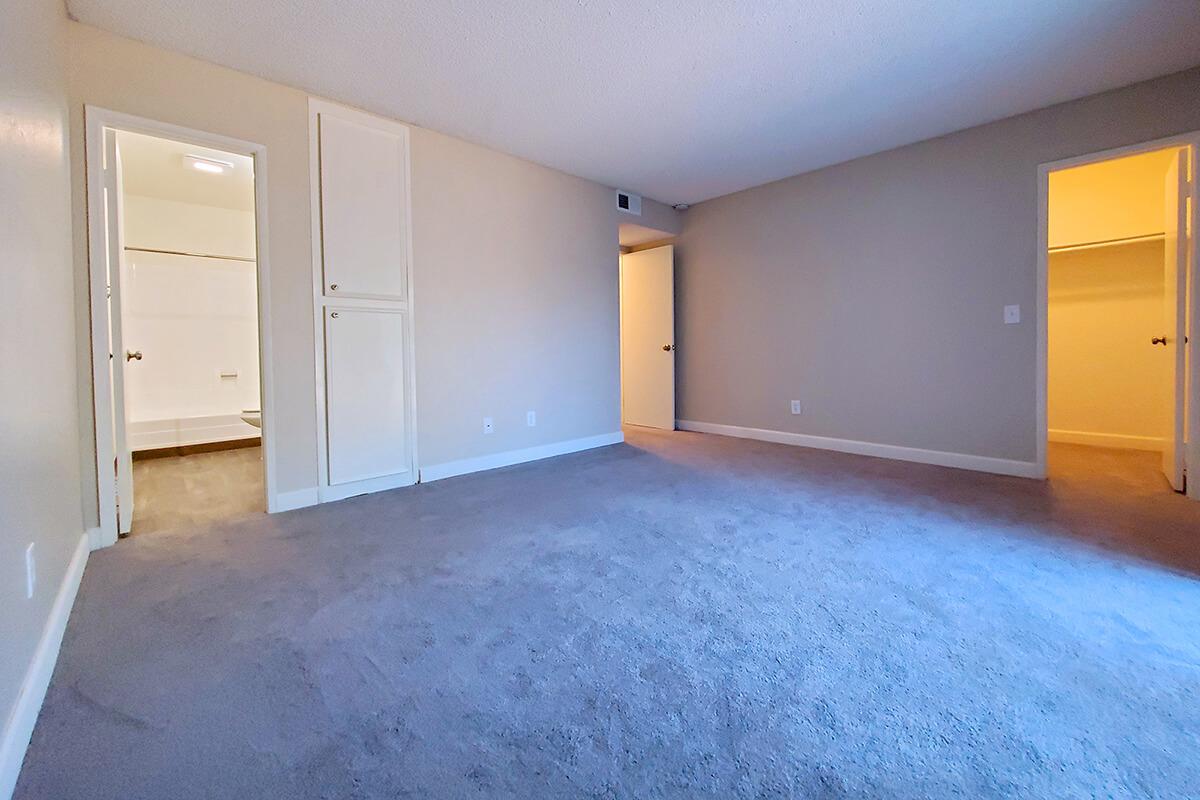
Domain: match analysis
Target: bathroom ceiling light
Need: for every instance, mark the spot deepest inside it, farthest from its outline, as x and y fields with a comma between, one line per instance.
x=207, y=164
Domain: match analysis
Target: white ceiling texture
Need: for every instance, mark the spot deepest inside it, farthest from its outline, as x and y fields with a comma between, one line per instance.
x=680, y=100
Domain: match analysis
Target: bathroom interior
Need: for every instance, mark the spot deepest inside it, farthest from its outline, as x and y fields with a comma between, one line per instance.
x=189, y=328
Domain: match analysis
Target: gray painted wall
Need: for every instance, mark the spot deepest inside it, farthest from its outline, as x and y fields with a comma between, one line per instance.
x=873, y=290
x=39, y=444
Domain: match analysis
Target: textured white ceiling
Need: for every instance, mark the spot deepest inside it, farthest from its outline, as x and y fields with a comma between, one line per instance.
x=680, y=100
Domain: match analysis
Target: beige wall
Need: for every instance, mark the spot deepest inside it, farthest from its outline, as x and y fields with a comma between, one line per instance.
x=39, y=446
x=1107, y=384
x=515, y=268
x=873, y=290
x=516, y=284
x=122, y=75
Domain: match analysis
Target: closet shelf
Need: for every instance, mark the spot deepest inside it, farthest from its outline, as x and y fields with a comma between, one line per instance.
x=1067, y=248
x=185, y=253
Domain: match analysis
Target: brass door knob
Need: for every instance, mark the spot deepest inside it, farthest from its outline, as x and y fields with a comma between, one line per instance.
x=1159, y=340
x=668, y=347
x=131, y=355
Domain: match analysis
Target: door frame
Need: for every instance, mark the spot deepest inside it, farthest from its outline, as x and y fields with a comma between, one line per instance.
x=327, y=492
x=1191, y=444
x=96, y=120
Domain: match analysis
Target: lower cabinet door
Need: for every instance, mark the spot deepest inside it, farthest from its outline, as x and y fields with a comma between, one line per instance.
x=366, y=394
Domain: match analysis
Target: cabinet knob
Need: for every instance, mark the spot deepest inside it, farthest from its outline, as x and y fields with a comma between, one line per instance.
x=333, y=315
x=333, y=287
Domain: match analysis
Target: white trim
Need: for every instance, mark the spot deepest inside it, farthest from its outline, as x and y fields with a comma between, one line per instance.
x=506, y=459
x=102, y=400
x=24, y=714
x=95, y=538
x=999, y=466
x=325, y=490
x=380, y=483
x=96, y=120
x=300, y=498
x=1121, y=441
x=1192, y=405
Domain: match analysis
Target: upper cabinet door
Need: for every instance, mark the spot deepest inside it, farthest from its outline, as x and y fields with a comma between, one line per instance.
x=364, y=224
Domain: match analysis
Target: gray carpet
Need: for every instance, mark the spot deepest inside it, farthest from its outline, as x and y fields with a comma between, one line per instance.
x=682, y=616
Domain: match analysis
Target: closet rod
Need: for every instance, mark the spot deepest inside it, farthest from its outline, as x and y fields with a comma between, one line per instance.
x=193, y=255
x=1148, y=237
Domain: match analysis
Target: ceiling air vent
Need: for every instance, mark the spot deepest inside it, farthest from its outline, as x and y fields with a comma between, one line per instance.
x=629, y=203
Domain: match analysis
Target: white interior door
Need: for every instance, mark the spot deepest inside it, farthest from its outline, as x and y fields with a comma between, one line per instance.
x=115, y=253
x=648, y=338
x=1175, y=309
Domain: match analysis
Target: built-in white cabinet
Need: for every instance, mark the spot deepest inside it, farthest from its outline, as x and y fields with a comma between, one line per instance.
x=364, y=199
x=362, y=298
x=366, y=393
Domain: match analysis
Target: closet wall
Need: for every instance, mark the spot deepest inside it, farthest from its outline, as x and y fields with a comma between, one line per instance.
x=1107, y=384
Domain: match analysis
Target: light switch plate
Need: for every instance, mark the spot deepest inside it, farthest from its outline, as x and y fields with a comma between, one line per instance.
x=1012, y=315
x=30, y=570
x=796, y=409
x=531, y=419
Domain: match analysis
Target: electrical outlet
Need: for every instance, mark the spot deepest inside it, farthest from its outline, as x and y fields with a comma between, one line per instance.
x=531, y=419
x=30, y=570
x=796, y=407
x=487, y=425
x=1012, y=315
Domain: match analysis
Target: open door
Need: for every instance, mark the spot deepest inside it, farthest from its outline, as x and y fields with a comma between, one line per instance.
x=117, y=357
x=1175, y=264
x=648, y=338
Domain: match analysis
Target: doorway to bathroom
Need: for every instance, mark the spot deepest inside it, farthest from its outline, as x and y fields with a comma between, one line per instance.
x=181, y=293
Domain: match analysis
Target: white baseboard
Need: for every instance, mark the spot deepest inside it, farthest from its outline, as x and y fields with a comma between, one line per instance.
x=96, y=540
x=157, y=433
x=1117, y=440
x=999, y=466
x=24, y=714
x=507, y=459
x=300, y=498
x=382, y=483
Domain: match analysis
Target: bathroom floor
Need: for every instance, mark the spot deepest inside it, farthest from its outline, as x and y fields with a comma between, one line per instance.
x=180, y=491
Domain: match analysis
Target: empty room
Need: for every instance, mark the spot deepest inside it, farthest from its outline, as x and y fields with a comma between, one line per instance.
x=601, y=399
